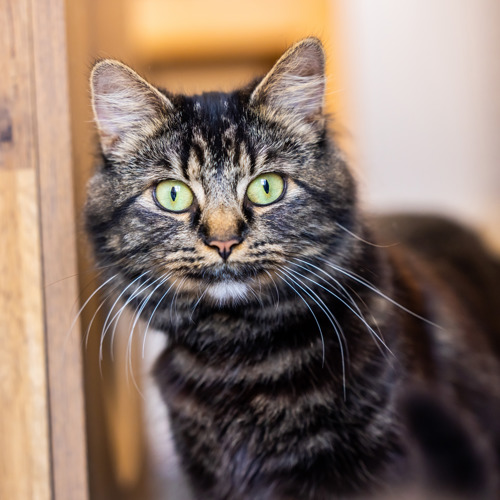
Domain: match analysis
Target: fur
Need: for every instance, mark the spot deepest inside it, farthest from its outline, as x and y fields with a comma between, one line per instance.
x=288, y=364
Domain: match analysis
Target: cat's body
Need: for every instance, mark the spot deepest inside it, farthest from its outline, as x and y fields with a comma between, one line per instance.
x=294, y=340
x=264, y=417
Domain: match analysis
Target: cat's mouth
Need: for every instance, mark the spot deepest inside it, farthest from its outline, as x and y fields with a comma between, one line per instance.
x=227, y=284
x=225, y=272
x=220, y=291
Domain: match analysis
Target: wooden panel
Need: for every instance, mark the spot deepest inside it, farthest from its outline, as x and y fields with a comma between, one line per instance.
x=24, y=427
x=24, y=433
x=58, y=250
x=42, y=446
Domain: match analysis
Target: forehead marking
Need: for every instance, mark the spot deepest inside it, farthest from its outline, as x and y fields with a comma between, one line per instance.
x=193, y=172
x=262, y=160
x=174, y=166
x=199, y=151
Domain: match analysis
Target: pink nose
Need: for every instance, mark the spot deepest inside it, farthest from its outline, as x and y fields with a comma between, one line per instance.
x=224, y=247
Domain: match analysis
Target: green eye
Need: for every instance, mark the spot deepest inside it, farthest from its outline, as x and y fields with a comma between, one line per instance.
x=174, y=195
x=266, y=189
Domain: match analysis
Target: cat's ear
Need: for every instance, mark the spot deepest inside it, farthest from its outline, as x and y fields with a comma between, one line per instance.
x=126, y=107
x=294, y=90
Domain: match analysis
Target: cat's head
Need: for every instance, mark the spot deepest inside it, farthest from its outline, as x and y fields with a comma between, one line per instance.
x=216, y=192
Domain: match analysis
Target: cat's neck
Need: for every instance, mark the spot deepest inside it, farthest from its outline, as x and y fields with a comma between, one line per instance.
x=343, y=335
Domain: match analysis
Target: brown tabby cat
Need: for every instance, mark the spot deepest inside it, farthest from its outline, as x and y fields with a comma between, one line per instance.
x=303, y=362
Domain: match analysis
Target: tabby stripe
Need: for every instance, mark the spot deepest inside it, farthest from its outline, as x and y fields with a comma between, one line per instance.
x=237, y=153
x=272, y=368
x=186, y=152
x=95, y=225
x=199, y=153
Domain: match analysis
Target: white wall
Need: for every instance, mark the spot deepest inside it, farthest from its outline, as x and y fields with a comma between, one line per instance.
x=423, y=86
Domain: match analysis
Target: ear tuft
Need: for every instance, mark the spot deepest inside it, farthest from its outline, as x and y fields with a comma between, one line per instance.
x=124, y=104
x=295, y=86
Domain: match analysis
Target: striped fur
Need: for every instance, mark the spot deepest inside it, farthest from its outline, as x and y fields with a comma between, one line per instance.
x=288, y=363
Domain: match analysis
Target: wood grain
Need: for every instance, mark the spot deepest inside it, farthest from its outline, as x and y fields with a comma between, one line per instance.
x=24, y=431
x=25, y=470
x=42, y=444
x=58, y=250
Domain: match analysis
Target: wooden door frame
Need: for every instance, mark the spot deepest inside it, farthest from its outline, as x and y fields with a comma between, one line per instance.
x=42, y=453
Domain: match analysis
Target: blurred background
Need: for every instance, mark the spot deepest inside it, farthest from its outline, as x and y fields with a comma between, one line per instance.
x=414, y=93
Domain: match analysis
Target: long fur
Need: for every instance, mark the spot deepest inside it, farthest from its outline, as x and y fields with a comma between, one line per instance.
x=288, y=364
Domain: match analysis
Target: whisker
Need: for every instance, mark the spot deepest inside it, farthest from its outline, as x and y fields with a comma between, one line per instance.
x=152, y=314
x=356, y=312
x=344, y=291
x=276, y=288
x=128, y=353
x=116, y=302
x=340, y=288
x=140, y=309
x=197, y=302
x=96, y=312
x=254, y=293
x=108, y=322
x=316, y=295
x=333, y=321
x=257, y=297
x=366, y=283
x=73, y=323
x=310, y=309
x=173, y=304
x=144, y=302
x=116, y=318
x=363, y=240
x=260, y=289
x=94, y=270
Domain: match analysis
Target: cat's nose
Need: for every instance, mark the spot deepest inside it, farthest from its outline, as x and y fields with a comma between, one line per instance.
x=224, y=247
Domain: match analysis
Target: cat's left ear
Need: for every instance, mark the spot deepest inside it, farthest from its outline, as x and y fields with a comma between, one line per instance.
x=294, y=90
x=126, y=107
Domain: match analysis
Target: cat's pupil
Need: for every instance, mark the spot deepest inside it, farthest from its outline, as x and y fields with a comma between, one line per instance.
x=265, y=185
x=173, y=193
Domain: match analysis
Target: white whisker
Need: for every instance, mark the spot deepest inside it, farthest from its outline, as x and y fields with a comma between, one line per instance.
x=89, y=327
x=343, y=289
x=310, y=309
x=173, y=303
x=108, y=322
x=200, y=298
x=356, y=312
x=139, y=311
x=151, y=316
x=333, y=321
x=366, y=283
x=363, y=240
x=73, y=323
x=276, y=288
x=104, y=328
x=116, y=318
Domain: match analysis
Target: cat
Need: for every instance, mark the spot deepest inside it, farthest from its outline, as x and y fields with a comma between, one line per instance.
x=299, y=346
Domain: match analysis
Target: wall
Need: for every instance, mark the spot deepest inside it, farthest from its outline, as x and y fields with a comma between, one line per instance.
x=423, y=83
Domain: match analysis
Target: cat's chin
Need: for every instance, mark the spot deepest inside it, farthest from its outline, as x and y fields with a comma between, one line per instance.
x=226, y=292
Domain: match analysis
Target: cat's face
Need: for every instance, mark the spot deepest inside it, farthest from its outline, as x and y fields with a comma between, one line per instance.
x=215, y=193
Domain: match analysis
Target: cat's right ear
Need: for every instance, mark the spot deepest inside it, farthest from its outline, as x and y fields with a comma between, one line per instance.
x=126, y=107
x=293, y=92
